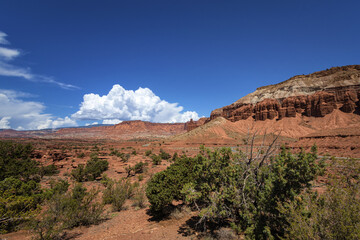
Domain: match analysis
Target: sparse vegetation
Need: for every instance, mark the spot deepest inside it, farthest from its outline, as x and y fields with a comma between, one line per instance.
x=125, y=157
x=136, y=169
x=139, y=198
x=164, y=155
x=92, y=170
x=117, y=192
x=148, y=152
x=156, y=159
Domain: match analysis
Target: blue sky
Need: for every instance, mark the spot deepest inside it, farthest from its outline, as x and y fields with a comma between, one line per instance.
x=67, y=63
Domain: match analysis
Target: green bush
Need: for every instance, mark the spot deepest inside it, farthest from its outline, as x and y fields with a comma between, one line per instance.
x=78, y=174
x=20, y=193
x=240, y=189
x=148, y=153
x=175, y=157
x=92, y=170
x=117, y=192
x=164, y=155
x=18, y=201
x=139, y=167
x=156, y=159
x=165, y=186
x=136, y=169
x=48, y=170
x=15, y=161
x=66, y=211
x=332, y=215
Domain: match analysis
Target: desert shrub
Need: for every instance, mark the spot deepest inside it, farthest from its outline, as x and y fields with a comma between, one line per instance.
x=94, y=156
x=78, y=174
x=18, y=202
x=148, y=152
x=139, y=167
x=81, y=155
x=117, y=192
x=15, y=161
x=48, y=170
x=115, y=152
x=136, y=169
x=164, y=155
x=134, y=153
x=95, y=148
x=241, y=189
x=125, y=157
x=20, y=193
x=58, y=187
x=139, y=198
x=156, y=159
x=332, y=215
x=226, y=234
x=175, y=157
x=67, y=210
x=165, y=186
x=92, y=170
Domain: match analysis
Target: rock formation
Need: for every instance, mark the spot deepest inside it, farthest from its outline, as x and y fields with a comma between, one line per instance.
x=313, y=95
x=194, y=124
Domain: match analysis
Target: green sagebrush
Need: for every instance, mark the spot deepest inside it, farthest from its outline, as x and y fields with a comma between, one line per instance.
x=240, y=189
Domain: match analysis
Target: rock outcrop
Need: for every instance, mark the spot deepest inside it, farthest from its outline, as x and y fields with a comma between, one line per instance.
x=194, y=124
x=313, y=95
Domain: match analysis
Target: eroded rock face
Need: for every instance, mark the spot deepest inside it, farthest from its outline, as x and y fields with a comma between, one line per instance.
x=313, y=95
x=316, y=105
x=267, y=109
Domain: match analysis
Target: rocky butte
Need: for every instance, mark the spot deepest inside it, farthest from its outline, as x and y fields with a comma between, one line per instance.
x=313, y=95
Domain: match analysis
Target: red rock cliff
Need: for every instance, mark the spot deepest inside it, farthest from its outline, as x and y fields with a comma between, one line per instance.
x=316, y=95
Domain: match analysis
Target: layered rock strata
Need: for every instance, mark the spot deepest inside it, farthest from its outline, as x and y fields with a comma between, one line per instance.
x=318, y=104
x=313, y=95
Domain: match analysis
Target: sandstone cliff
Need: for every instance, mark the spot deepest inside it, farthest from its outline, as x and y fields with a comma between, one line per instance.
x=313, y=95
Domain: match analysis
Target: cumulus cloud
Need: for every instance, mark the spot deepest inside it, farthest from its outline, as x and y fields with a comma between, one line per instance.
x=10, y=70
x=4, y=123
x=18, y=114
x=123, y=104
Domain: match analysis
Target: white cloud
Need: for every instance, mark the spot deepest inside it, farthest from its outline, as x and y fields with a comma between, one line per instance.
x=2, y=38
x=90, y=124
x=8, y=53
x=141, y=104
x=4, y=123
x=111, y=121
x=9, y=70
x=19, y=114
x=12, y=71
